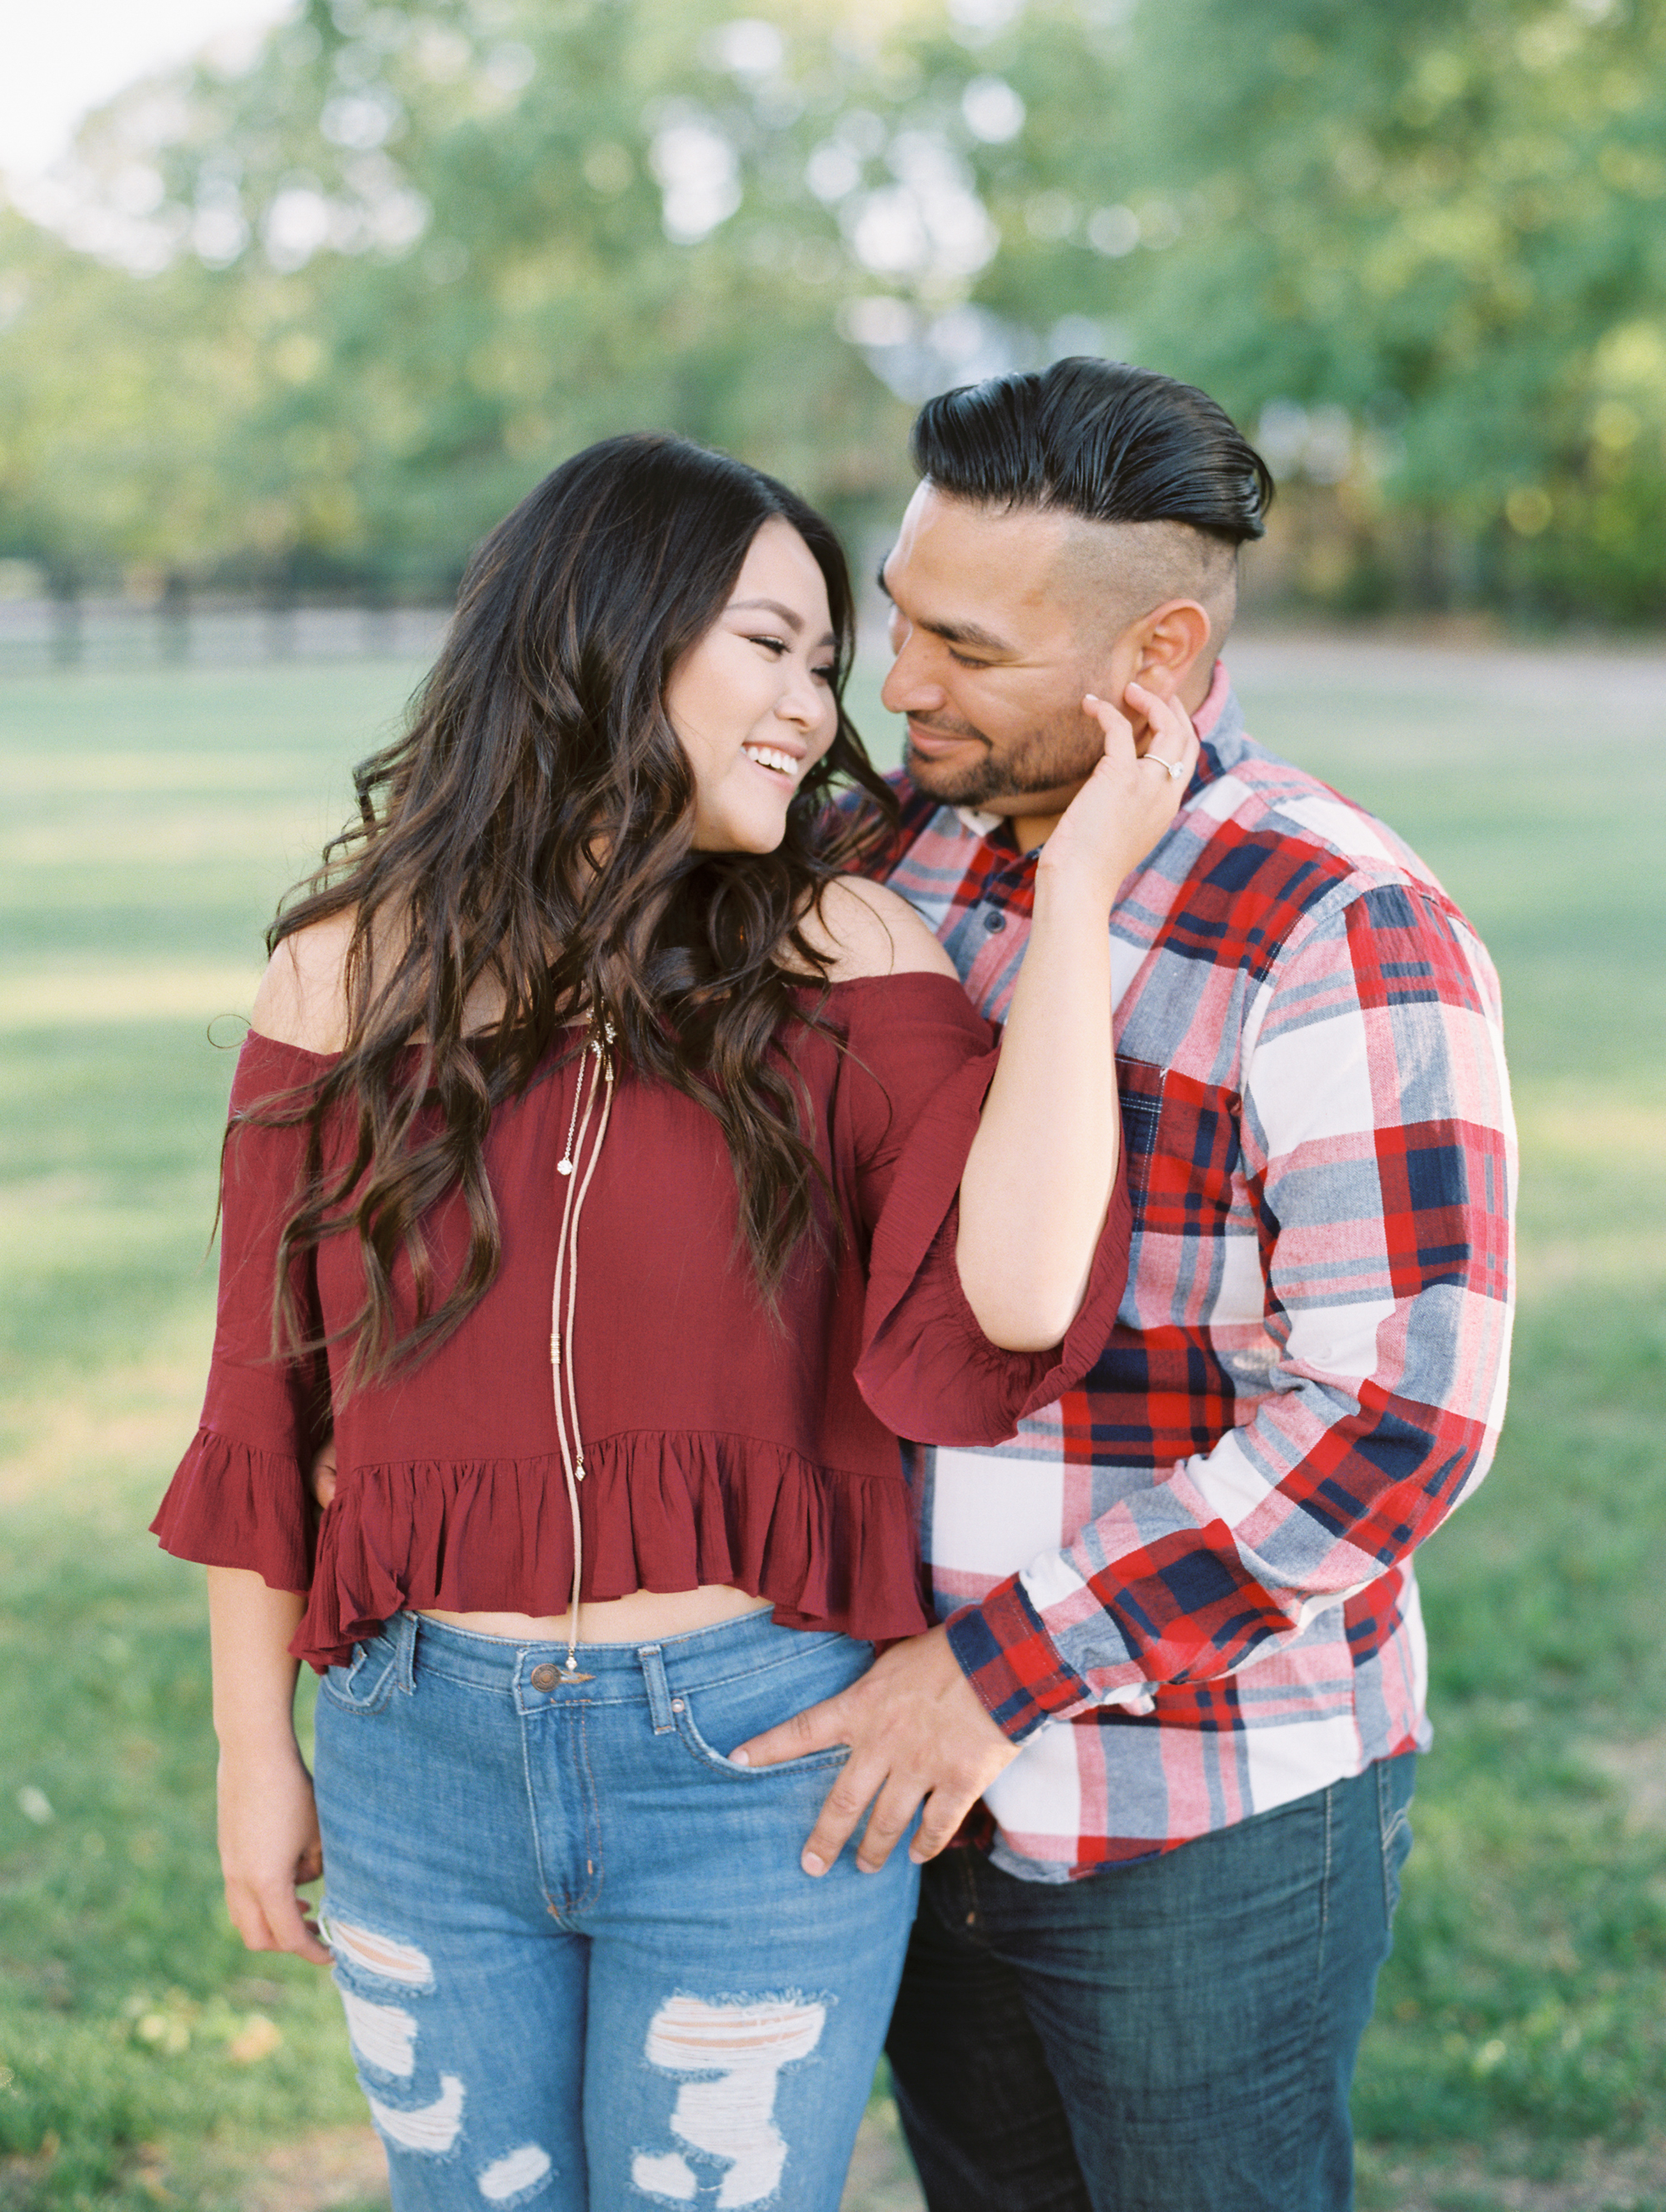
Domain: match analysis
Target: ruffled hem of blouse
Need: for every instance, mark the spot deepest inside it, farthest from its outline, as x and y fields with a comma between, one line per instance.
x=661, y=1511
x=232, y=1505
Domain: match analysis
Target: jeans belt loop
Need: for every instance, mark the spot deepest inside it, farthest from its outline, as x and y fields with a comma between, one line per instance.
x=658, y=1690
x=403, y=1627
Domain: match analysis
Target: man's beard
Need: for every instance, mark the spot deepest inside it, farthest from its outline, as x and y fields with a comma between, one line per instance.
x=1045, y=760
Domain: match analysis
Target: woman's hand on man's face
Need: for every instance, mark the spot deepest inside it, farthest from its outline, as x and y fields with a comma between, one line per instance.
x=1130, y=798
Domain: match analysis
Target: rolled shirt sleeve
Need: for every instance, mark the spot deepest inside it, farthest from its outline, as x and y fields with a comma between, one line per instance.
x=1379, y=1160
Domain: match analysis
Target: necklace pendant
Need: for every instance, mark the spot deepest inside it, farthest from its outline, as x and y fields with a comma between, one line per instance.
x=564, y=1167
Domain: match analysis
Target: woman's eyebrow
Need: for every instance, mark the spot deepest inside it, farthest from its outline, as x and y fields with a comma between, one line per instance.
x=795, y=623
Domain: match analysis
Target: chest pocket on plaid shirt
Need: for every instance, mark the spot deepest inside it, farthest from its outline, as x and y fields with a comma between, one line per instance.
x=1139, y=1091
x=1182, y=1141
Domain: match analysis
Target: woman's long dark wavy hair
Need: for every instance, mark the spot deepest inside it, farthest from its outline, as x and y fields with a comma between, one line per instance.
x=532, y=832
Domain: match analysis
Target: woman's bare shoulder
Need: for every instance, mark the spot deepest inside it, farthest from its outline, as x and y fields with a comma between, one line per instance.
x=866, y=930
x=303, y=997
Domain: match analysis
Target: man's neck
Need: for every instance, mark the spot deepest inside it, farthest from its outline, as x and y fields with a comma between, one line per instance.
x=1033, y=830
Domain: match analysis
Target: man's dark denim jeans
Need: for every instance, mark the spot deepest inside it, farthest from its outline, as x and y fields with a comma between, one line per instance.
x=1175, y=2036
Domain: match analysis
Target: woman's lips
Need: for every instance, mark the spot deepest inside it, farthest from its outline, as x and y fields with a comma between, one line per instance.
x=773, y=760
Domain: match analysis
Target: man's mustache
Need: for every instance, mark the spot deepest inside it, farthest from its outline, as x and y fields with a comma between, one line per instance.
x=938, y=730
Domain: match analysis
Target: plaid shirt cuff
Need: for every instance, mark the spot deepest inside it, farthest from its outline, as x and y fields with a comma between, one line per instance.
x=1010, y=1660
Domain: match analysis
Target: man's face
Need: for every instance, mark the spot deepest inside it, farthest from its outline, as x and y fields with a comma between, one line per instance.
x=991, y=664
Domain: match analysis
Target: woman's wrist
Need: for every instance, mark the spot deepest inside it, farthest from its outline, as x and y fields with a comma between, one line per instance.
x=1072, y=894
x=246, y=1745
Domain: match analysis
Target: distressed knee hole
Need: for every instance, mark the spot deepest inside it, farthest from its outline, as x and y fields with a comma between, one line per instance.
x=515, y=2174
x=728, y=2115
x=383, y=2036
x=385, y=1957
x=430, y=2128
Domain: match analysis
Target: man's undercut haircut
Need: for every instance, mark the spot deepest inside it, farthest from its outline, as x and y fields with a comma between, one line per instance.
x=1098, y=439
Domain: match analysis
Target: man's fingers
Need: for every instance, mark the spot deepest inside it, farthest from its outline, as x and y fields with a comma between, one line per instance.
x=843, y=1807
x=898, y=1802
x=324, y=1473
x=939, y=1823
x=817, y=1728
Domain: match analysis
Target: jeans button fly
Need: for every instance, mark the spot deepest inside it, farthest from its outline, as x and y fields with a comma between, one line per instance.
x=543, y=1677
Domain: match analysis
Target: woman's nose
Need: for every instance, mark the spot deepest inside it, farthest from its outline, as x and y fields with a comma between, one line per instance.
x=805, y=701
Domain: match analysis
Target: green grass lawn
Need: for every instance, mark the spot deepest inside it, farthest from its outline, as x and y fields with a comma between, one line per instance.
x=150, y=821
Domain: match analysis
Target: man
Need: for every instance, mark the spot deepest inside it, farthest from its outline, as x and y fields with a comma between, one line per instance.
x=1181, y=1656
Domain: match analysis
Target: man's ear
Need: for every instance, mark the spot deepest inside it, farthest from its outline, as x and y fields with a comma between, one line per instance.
x=1169, y=642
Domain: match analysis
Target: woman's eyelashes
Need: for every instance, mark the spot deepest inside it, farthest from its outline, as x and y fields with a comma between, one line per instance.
x=779, y=646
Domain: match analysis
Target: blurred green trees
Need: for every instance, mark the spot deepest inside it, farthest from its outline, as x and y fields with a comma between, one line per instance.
x=1450, y=221
x=324, y=317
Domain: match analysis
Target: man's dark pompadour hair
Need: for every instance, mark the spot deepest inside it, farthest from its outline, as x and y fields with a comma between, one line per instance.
x=1100, y=438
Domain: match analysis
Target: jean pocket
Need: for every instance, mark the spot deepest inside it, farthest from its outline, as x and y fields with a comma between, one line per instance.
x=813, y=1762
x=362, y=1686
x=750, y=1704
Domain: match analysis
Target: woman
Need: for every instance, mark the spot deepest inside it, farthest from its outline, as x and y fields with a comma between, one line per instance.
x=594, y=1138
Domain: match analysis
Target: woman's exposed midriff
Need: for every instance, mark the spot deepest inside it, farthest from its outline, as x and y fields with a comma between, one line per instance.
x=644, y=1613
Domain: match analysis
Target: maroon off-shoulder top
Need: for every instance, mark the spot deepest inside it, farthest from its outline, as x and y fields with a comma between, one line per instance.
x=717, y=1448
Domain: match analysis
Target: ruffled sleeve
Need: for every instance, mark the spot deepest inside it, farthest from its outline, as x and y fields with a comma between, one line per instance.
x=926, y=1369
x=240, y=1498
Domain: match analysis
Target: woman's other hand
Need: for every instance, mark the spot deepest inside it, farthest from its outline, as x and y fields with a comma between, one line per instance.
x=269, y=1849
x=1131, y=797
x=268, y=1832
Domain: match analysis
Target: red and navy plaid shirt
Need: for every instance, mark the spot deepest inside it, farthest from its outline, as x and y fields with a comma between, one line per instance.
x=1186, y=1589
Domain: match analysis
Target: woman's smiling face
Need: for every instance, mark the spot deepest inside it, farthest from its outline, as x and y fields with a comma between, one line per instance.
x=752, y=703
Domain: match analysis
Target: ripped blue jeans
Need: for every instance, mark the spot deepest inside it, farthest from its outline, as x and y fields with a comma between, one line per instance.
x=582, y=1968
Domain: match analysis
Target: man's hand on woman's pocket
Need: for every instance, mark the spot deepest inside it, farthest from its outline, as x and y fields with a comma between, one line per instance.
x=917, y=1731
